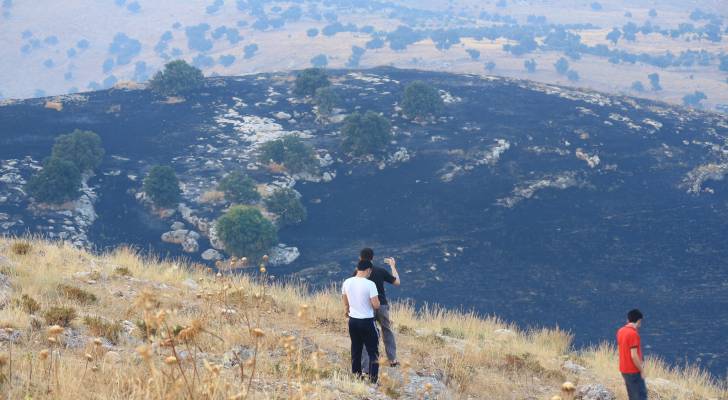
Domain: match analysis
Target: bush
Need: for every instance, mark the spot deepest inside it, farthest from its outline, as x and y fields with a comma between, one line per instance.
x=177, y=78
x=59, y=181
x=326, y=99
x=238, y=188
x=82, y=148
x=59, y=315
x=76, y=294
x=290, y=151
x=309, y=80
x=245, y=232
x=286, y=203
x=655, y=81
x=694, y=99
x=530, y=65
x=28, y=304
x=366, y=134
x=122, y=271
x=562, y=66
x=99, y=327
x=162, y=186
x=421, y=99
x=637, y=86
x=21, y=248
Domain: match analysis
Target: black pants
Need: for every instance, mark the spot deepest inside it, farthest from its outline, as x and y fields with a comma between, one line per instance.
x=363, y=333
x=636, y=388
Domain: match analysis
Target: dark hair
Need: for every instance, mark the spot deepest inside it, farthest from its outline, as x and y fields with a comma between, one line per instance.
x=634, y=315
x=366, y=254
x=364, y=265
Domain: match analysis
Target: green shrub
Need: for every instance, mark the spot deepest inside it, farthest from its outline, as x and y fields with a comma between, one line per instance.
x=309, y=80
x=76, y=294
x=292, y=152
x=421, y=99
x=178, y=77
x=122, y=271
x=366, y=134
x=82, y=148
x=245, y=232
x=326, y=99
x=286, y=203
x=162, y=186
x=238, y=188
x=58, y=315
x=59, y=181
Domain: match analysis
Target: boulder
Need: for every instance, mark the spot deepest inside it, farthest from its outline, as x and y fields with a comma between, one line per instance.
x=211, y=255
x=236, y=355
x=177, y=225
x=594, y=392
x=283, y=255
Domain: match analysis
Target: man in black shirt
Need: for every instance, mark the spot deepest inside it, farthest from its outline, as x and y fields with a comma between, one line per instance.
x=379, y=276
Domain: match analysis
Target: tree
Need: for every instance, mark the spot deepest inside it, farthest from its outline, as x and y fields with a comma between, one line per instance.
x=326, y=99
x=238, y=188
x=162, y=186
x=292, y=152
x=82, y=148
x=654, y=81
x=490, y=66
x=58, y=182
x=309, y=80
x=614, y=35
x=421, y=99
x=562, y=66
x=286, y=203
x=530, y=65
x=178, y=77
x=637, y=86
x=572, y=76
x=366, y=134
x=694, y=99
x=320, y=61
x=474, y=54
x=245, y=232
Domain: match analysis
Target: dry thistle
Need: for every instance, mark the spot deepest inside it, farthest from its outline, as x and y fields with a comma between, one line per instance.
x=265, y=258
x=55, y=330
x=144, y=351
x=3, y=360
x=171, y=360
x=258, y=333
x=428, y=387
x=97, y=342
x=161, y=316
x=262, y=269
x=43, y=354
x=568, y=387
x=52, y=340
x=89, y=357
x=556, y=398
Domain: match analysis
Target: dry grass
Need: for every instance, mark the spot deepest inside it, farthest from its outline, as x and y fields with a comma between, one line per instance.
x=235, y=337
x=213, y=197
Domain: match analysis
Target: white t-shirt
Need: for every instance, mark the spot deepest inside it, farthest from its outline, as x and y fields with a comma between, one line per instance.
x=359, y=293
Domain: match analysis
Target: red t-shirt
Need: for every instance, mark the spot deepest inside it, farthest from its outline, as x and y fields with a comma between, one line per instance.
x=627, y=339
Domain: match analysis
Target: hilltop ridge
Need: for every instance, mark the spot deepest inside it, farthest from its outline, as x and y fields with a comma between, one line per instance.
x=134, y=328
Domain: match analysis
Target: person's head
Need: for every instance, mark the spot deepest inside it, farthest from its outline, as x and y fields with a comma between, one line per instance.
x=364, y=268
x=635, y=316
x=366, y=254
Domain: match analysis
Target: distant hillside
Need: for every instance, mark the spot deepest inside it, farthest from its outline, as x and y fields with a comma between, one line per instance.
x=134, y=328
x=671, y=51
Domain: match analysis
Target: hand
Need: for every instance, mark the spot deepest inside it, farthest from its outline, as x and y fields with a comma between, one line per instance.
x=347, y=314
x=391, y=262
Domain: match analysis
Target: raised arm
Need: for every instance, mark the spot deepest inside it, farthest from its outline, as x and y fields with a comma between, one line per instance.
x=393, y=264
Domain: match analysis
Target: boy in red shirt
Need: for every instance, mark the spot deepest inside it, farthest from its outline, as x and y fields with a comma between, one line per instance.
x=630, y=356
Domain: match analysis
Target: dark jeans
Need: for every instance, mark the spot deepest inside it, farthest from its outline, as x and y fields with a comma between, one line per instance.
x=363, y=333
x=636, y=388
x=390, y=346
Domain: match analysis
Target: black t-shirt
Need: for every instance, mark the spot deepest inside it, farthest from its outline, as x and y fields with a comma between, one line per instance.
x=379, y=276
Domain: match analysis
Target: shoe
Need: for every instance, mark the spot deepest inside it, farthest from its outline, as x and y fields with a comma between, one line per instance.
x=394, y=364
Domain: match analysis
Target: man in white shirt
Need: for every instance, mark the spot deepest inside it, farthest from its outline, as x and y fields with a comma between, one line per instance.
x=361, y=298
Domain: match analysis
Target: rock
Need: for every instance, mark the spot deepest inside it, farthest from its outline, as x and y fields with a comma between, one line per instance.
x=190, y=283
x=211, y=255
x=573, y=367
x=236, y=355
x=283, y=255
x=187, y=238
x=504, y=332
x=594, y=392
x=166, y=213
x=13, y=337
x=282, y=115
x=177, y=225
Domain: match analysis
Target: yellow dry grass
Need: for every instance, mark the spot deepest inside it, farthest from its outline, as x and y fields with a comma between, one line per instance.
x=182, y=332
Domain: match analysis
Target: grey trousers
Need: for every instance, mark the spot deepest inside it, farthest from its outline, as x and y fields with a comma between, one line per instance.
x=387, y=334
